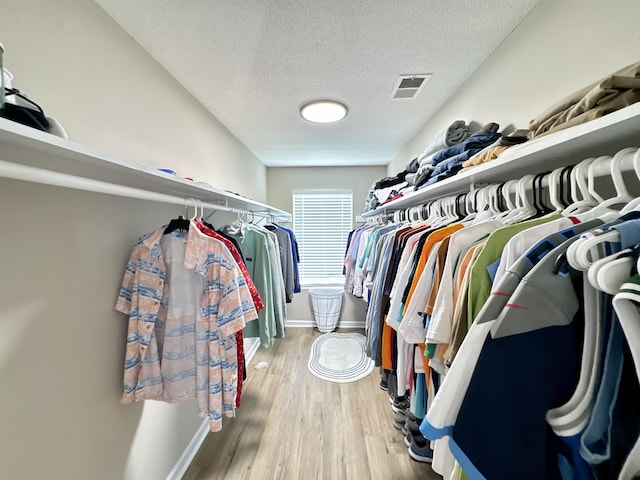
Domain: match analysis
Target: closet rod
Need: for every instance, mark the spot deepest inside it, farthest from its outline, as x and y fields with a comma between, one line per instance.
x=48, y=177
x=600, y=169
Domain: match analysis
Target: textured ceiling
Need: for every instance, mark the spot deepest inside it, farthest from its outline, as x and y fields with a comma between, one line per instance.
x=253, y=63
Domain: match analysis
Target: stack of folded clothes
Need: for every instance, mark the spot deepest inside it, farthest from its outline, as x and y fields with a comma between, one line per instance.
x=616, y=91
x=454, y=134
x=447, y=162
x=494, y=150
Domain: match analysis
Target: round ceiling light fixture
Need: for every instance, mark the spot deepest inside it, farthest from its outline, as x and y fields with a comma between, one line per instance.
x=323, y=111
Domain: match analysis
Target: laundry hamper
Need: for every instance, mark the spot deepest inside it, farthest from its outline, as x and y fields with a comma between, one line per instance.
x=326, y=303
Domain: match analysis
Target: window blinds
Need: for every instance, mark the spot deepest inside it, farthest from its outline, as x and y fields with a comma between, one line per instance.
x=322, y=221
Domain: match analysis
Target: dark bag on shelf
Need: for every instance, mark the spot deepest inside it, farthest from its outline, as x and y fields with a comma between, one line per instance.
x=32, y=117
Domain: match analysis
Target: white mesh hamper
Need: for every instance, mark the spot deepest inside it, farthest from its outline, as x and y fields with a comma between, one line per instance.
x=326, y=304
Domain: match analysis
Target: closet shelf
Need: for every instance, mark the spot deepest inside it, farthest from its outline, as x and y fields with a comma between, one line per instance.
x=24, y=146
x=602, y=136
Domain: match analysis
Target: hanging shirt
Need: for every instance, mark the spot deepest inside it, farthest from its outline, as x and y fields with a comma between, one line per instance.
x=539, y=317
x=441, y=324
x=255, y=252
x=186, y=298
x=286, y=260
x=627, y=306
x=442, y=415
x=278, y=287
x=480, y=281
x=255, y=295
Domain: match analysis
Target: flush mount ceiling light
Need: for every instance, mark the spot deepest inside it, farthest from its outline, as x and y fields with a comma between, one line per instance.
x=323, y=111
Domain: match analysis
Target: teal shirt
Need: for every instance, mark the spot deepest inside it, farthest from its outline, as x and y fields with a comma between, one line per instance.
x=254, y=247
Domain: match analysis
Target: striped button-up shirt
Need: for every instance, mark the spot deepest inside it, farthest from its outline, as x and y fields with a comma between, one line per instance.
x=186, y=298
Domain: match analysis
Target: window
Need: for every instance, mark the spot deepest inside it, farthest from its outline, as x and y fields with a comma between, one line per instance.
x=322, y=222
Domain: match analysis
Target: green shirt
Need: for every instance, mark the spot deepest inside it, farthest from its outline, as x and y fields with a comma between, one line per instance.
x=254, y=247
x=480, y=281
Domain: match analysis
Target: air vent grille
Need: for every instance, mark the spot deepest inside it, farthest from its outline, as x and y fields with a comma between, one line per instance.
x=409, y=86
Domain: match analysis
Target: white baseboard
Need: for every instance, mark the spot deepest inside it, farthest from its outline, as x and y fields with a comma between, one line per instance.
x=181, y=466
x=312, y=324
x=251, y=346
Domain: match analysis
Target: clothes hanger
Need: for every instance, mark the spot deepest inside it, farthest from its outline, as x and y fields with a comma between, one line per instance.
x=470, y=204
x=622, y=194
x=431, y=214
x=523, y=208
x=485, y=204
x=502, y=206
x=438, y=219
x=555, y=190
x=538, y=196
x=507, y=204
x=180, y=223
x=508, y=189
x=635, y=203
x=450, y=209
x=458, y=207
x=609, y=273
x=494, y=199
x=414, y=215
x=566, y=186
x=585, y=251
x=579, y=185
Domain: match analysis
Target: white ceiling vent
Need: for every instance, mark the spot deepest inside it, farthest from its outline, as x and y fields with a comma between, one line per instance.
x=409, y=86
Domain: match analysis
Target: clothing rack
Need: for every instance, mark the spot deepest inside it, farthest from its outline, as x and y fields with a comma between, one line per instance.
x=586, y=171
x=37, y=175
x=39, y=157
x=601, y=136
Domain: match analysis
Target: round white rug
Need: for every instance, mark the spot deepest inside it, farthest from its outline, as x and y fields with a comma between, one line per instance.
x=340, y=357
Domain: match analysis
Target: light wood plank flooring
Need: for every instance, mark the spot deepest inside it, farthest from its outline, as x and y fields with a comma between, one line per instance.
x=293, y=425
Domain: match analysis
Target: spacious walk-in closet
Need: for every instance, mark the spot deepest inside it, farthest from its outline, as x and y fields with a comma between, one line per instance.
x=161, y=281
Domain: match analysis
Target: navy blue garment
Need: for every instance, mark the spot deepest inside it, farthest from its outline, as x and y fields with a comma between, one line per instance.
x=296, y=258
x=501, y=432
x=516, y=381
x=624, y=426
x=449, y=167
x=449, y=161
x=476, y=141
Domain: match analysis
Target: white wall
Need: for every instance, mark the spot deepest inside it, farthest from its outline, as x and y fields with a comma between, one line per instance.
x=107, y=92
x=63, y=252
x=281, y=182
x=560, y=47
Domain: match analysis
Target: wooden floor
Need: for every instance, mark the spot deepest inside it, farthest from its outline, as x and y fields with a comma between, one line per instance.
x=295, y=426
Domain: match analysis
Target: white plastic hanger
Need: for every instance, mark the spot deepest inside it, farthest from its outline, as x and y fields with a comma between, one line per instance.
x=579, y=180
x=441, y=218
x=584, y=252
x=431, y=212
x=470, y=206
x=554, y=189
x=413, y=215
x=609, y=273
x=635, y=203
x=509, y=188
x=491, y=199
x=452, y=216
x=524, y=208
x=622, y=194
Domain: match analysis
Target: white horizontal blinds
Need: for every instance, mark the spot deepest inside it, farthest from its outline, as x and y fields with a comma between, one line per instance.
x=321, y=223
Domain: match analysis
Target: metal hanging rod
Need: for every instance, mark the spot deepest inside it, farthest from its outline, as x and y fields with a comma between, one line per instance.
x=48, y=177
x=601, y=168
